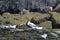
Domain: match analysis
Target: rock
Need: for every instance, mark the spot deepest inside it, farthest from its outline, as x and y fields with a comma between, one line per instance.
x=6, y=14
x=57, y=9
x=52, y=3
x=38, y=18
x=19, y=5
x=57, y=32
x=24, y=11
x=47, y=9
x=52, y=13
x=32, y=25
x=1, y=18
x=56, y=18
x=44, y=36
x=46, y=24
x=55, y=35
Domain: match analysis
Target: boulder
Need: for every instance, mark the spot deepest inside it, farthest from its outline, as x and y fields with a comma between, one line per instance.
x=57, y=9
x=47, y=9
x=38, y=18
x=6, y=14
x=46, y=24
x=56, y=17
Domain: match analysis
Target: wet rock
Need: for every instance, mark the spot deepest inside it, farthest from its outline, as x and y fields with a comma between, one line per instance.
x=57, y=9
x=46, y=24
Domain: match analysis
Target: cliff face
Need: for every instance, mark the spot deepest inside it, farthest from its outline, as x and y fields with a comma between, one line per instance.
x=14, y=5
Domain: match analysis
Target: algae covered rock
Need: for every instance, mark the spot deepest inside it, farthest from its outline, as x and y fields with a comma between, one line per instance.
x=38, y=18
x=6, y=14
x=46, y=24
x=56, y=18
x=52, y=13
